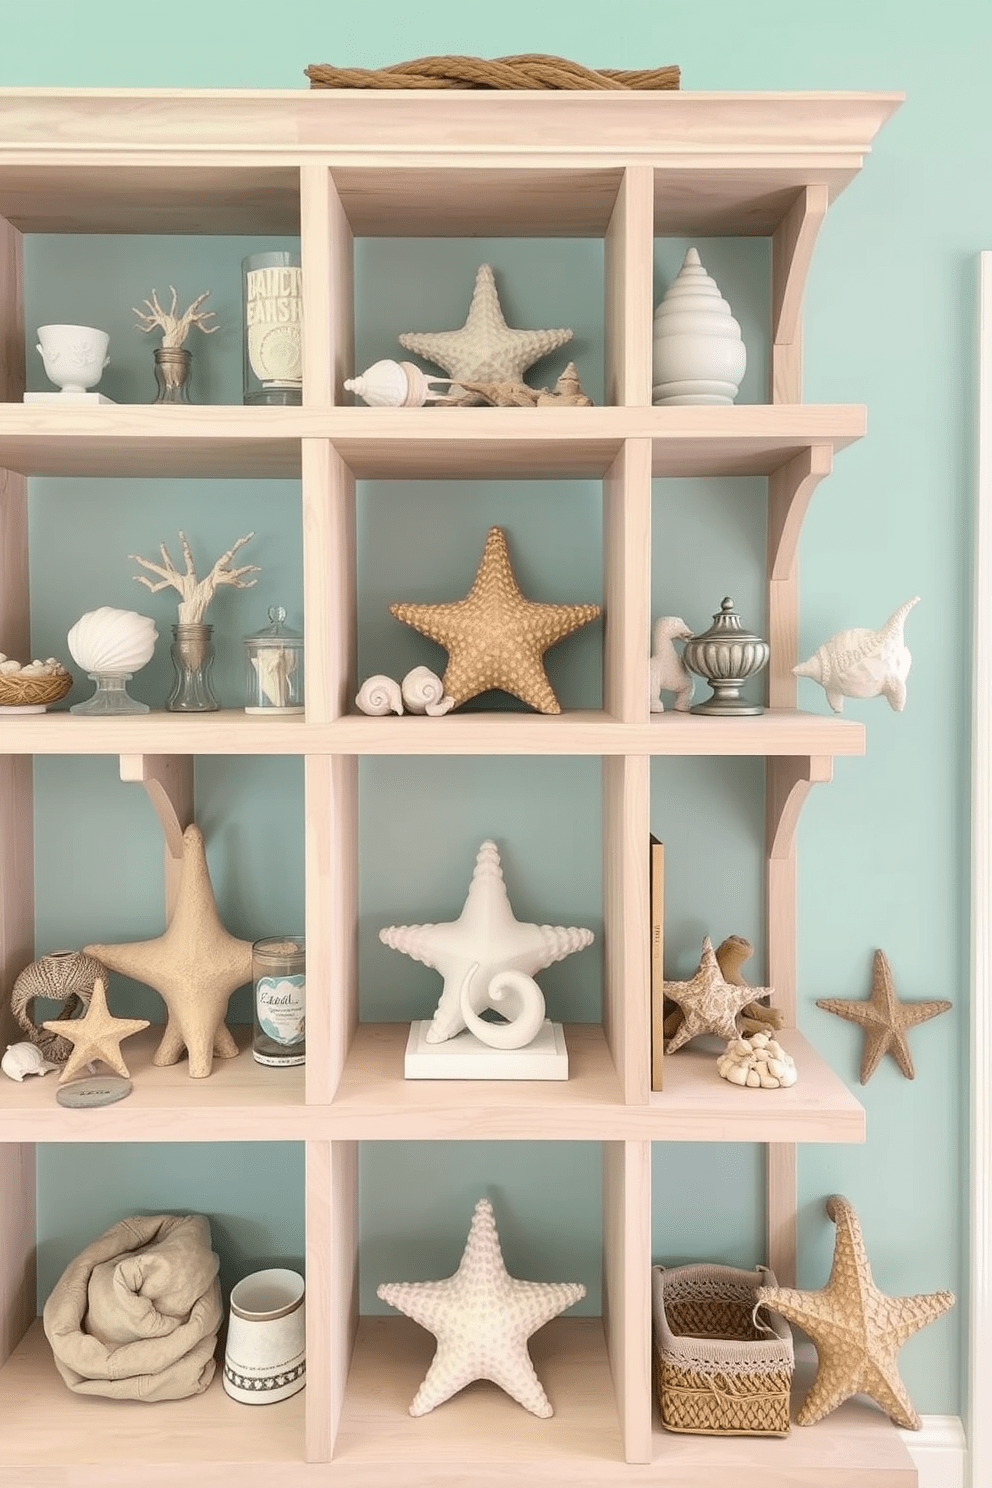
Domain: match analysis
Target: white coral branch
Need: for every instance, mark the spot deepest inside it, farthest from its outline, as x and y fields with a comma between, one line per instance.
x=196, y=593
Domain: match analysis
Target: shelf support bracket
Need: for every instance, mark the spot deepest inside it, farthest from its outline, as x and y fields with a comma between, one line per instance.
x=790, y=490
x=793, y=242
x=168, y=780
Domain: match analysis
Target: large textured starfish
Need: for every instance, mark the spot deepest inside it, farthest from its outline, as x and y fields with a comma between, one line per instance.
x=486, y=937
x=709, y=1003
x=884, y=1019
x=495, y=637
x=858, y=1330
x=484, y=349
x=482, y=1318
x=194, y=966
x=96, y=1035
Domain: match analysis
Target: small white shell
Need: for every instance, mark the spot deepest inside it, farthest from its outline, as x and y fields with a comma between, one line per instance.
x=379, y=695
x=423, y=692
x=114, y=641
x=25, y=1059
x=389, y=384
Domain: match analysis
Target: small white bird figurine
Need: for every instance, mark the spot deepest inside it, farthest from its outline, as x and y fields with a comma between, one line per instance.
x=668, y=672
x=863, y=663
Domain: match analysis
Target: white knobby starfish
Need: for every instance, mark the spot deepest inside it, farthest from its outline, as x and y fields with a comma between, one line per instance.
x=485, y=936
x=482, y=1318
x=485, y=348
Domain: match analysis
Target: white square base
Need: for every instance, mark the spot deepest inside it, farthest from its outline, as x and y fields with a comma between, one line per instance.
x=64, y=398
x=465, y=1058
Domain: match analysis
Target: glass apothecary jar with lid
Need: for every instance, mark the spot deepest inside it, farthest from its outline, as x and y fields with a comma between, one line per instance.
x=279, y=983
x=275, y=667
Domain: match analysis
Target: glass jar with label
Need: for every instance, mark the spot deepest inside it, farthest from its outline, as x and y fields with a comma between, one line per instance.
x=273, y=328
x=278, y=969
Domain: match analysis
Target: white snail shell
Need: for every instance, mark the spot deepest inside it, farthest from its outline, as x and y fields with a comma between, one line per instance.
x=521, y=1001
x=379, y=695
x=389, y=384
x=423, y=692
x=115, y=641
x=25, y=1059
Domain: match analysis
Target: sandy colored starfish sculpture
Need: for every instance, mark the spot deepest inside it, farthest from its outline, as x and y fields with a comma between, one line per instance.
x=884, y=1019
x=194, y=966
x=96, y=1035
x=485, y=349
x=858, y=1330
x=482, y=1318
x=709, y=1003
x=495, y=637
x=483, y=942
x=754, y=1017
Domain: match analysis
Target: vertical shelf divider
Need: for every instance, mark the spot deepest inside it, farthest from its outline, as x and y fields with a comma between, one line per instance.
x=629, y=268
x=627, y=582
x=327, y=257
x=332, y=1287
x=627, y=1288
x=627, y=928
x=331, y=918
x=18, y=1304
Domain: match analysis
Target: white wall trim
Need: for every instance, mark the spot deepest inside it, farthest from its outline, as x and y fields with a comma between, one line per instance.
x=939, y=1451
x=980, y=1125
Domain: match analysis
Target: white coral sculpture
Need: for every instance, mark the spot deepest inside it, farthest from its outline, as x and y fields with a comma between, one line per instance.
x=196, y=593
x=175, y=328
x=668, y=672
x=759, y=1062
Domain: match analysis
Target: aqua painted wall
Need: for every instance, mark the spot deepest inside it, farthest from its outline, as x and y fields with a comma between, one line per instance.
x=883, y=850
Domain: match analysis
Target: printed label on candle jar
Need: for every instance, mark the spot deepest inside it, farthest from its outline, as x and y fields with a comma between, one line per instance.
x=281, y=1003
x=273, y=315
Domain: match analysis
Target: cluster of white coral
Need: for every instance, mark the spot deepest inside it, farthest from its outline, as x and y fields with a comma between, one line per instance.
x=48, y=668
x=759, y=1062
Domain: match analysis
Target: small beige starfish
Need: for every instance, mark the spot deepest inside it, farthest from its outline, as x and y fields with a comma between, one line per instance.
x=858, y=1330
x=96, y=1035
x=484, y=349
x=884, y=1019
x=709, y=1003
x=495, y=637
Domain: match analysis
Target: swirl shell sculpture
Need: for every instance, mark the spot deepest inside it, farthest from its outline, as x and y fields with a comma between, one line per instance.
x=423, y=692
x=112, y=642
x=863, y=663
x=521, y=1002
x=379, y=695
x=699, y=355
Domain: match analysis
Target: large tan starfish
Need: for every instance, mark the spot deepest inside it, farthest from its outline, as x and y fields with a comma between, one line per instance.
x=858, y=1330
x=884, y=1019
x=194, y=966
x=96, y=1035
x=485, y=348
x=709, y=1003
x=495, y=637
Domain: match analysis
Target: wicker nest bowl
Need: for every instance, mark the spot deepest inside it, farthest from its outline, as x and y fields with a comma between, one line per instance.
x=18, y=691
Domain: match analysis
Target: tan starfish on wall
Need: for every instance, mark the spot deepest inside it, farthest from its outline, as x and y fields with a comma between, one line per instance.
x=495, y=637
x=96, y=1035
x=884, y=1019
x=194, y=966
x=858, y=1330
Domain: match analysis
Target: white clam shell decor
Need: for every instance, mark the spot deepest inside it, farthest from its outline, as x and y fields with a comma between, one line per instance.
x=112, y=642
x=423, y=692
x=379, y=695
x=389, y=384
x=758, y=1063
x=25, y=1059
x=863, y=663
x=699, y=354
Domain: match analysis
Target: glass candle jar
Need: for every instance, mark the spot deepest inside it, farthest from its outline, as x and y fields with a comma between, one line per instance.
x=279, y=978
x=273, y=328
x=274, y=681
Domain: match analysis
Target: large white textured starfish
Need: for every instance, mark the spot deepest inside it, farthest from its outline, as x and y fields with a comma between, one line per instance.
x=485, y=936
x=484, y=349
x=482, y=1318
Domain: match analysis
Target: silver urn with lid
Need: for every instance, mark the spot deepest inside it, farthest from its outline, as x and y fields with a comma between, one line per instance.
x=726, y=655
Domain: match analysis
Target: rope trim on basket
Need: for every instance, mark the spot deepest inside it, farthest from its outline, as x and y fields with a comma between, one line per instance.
x=527, y=70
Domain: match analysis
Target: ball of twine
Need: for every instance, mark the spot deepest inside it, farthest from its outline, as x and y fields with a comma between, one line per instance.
x=526, y=70
x=62, y=976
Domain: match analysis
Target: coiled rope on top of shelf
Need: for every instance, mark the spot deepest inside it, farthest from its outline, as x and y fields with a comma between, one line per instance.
x=528, y=70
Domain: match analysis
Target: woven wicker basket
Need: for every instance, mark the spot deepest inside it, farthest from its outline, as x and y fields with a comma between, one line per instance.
x=18, y=691
x=719, y=1372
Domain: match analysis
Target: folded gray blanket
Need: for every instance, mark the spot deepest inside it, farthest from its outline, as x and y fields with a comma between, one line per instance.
x=135, y=1316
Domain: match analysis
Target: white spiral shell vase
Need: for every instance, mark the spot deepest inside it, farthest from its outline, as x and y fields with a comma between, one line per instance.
x=112, y=642
x=699, y=355
x=518, y=998
x=379, y=695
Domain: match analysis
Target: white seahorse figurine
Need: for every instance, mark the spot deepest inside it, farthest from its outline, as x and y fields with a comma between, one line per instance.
x=668, y=672
x=863, y=663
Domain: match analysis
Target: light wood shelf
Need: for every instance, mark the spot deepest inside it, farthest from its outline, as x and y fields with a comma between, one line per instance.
x=328, y=167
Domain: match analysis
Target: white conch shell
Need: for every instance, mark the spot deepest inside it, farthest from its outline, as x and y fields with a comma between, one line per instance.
x=520, y=1000
x=25, y=1059
x=389, y=384
x=423, y=692
x=863, y=663
x=115, y=641
x=699, y=356
x=667, y=672
x=379, y=695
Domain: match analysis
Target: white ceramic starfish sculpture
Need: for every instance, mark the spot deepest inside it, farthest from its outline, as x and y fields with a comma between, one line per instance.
x=484, y=349
x=486, y=937
x=482, y=1318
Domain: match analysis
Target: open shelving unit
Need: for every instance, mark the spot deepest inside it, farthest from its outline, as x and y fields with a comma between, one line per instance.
x=333, y=166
